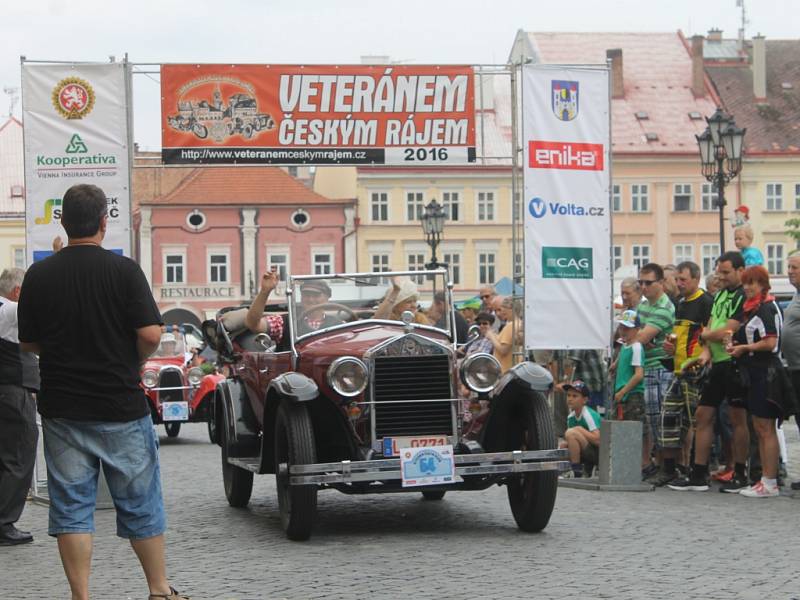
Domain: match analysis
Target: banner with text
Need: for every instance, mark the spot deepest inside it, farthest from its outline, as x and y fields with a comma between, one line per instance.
x=75, y=131
x=324, y=115
x=566, y=139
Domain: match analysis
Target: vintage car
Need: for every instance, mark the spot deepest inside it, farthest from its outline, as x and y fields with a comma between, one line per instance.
x=369, y=405
x=176, y=392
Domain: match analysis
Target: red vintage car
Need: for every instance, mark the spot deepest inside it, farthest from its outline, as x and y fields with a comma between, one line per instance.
x=373, y=402
x=177, y=393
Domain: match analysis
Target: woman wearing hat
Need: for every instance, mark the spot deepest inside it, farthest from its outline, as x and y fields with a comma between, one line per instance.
x=402, y=297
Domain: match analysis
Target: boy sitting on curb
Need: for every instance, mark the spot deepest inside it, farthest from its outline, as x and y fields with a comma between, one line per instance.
x=629, y=380
x=582, y=436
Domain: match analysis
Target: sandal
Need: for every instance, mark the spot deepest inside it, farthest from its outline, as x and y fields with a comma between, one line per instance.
x=173, y=595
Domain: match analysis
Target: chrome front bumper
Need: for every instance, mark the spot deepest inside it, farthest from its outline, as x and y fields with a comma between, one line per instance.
x=494, y=463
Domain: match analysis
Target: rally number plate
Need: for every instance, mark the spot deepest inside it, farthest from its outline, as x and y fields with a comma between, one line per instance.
x=393, y=445
x=175, y=411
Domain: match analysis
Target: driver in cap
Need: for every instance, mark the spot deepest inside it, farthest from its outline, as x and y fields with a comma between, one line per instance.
x=312, y=294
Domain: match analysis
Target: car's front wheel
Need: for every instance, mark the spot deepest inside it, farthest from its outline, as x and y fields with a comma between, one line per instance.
x=173, y=429
x=294, y=445
x=532, y=495
x=238, y=482
x=213, y=436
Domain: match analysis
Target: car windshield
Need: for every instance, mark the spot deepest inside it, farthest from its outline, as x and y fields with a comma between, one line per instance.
x=171, y=344
x=319, y=302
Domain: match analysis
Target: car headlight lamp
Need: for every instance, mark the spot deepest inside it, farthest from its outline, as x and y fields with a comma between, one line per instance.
x=150, y=379
x=195, y=375
x=348, y=376
x=480, y=372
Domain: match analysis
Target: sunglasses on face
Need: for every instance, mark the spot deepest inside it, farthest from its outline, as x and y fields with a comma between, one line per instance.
x=646, y=282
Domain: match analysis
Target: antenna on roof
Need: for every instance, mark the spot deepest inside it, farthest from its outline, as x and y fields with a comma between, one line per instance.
x=13, y=95
x=745, y=22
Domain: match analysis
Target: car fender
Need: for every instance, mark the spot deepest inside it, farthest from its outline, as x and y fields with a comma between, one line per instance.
x=524, y=383
x=294, y=387
x=236, y=416
x=207, y=387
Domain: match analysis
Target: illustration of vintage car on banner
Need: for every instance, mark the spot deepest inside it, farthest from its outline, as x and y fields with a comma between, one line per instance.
x=176, y=391
x=369, y=403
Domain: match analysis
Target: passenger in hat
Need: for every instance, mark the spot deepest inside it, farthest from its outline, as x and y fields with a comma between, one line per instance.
x=168, y=345
x=313, y=293
x=403, y=296
x=582, y=436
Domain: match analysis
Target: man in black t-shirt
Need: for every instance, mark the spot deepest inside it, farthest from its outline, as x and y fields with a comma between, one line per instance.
x=92, y=319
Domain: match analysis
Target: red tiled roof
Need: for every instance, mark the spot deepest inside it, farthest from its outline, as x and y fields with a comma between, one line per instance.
x=657, y=74
x=240, y=186
x=774, y=126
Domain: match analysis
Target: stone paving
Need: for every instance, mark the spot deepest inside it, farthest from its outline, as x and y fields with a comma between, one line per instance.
x=656, y=545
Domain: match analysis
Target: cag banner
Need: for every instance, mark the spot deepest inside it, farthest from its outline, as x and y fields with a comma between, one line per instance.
x=566, y=206
x=75, y=121
x=317, y=114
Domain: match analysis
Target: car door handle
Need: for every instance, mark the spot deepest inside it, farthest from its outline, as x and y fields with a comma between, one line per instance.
x=263, y=371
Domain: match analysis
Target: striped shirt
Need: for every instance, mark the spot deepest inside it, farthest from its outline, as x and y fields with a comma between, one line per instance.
x=660, y=315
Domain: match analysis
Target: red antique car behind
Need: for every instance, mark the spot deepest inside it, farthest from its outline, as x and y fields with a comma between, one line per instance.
x=177, y=393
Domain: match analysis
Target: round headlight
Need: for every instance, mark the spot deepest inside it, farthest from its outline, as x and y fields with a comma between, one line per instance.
x=480, y=372
x=150, y=379
x=347, y=376
x=194, y=375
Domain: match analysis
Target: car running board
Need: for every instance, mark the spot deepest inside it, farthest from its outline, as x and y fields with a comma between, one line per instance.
x=252, y=463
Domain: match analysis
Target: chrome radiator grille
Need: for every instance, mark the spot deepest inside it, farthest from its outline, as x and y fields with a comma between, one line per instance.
x=399, y=383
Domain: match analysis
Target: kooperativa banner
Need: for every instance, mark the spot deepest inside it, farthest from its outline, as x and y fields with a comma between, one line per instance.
x=565, y=114
x=349, y=115
x=75, y=122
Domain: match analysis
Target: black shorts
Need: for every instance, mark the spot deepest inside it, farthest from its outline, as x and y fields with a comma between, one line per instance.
x=724, y=383
x=758, y=404
x=590, y=455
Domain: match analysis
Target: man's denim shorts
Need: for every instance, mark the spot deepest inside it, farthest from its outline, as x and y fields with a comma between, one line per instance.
x=128, y=452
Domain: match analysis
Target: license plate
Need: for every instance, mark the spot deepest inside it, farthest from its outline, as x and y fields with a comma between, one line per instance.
x=175, y=411
x=434, y=465
x=393, y=445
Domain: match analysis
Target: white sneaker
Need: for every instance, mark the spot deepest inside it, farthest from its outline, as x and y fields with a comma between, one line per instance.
x=759, y=490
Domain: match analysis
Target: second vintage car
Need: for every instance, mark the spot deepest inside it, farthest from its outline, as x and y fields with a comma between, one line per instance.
x=177, y=392
x=366, y=402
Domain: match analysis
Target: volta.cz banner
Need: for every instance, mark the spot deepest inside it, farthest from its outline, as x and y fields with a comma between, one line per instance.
x=566, y=138
x=75, y=130
x=348, y=115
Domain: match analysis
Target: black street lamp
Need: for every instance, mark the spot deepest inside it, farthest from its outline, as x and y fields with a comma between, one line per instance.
x=721, y=158
x=433, y=225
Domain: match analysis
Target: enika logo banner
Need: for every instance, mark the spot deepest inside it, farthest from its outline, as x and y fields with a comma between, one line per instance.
x=565, y=155
x=567, y=263
x=323, y=114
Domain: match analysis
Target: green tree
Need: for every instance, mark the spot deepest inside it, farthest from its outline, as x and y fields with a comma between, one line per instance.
x=794, y=229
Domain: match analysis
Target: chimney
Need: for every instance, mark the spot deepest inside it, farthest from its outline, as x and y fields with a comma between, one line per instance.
x=715, y=35
x=698, y=71
x=759, y=67
x=617, y=79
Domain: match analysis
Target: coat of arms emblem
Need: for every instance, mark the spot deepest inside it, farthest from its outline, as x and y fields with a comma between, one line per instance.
x=565, y=99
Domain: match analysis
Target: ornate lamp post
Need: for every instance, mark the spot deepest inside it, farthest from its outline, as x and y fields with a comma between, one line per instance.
x=721, y=158
x=432, y=226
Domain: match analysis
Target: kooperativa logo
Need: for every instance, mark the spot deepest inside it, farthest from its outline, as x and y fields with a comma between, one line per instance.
x=560, y=262
x=52, y=210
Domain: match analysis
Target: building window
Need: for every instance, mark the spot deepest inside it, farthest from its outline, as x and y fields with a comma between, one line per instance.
x=323, y=263
x=775, y=259
x=279, y=260
x=196, y=220
x=519, y=265
x=379, y=201
x=709, y=253
x=380, y=263
x=641, y=255
x=709, y=197
x=774, y=196
x=616, y=197
x=616, y=257
x=452, y=205
x=415, y=206
x=19, y=258
x=301, y=219
x=416, y=262
x=640, y=199
x=17, y=191
x=217, y=268
x=486, y=268
x=683, y=252
x=682, y=197
x=797, y=196
x=174, y=268
x=292, y=171
x=485, y=206
x=453, y=260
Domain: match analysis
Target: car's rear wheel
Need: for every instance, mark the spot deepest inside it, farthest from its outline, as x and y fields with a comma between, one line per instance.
x=213, y=435
x=173, y=429
x=294, y=445
x=238, y=482
x=532, y=495
x=433, y=495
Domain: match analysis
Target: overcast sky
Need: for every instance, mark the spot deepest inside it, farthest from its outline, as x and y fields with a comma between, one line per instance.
x=330, y=31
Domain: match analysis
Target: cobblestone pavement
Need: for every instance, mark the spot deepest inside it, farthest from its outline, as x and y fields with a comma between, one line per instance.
x=663, y=544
